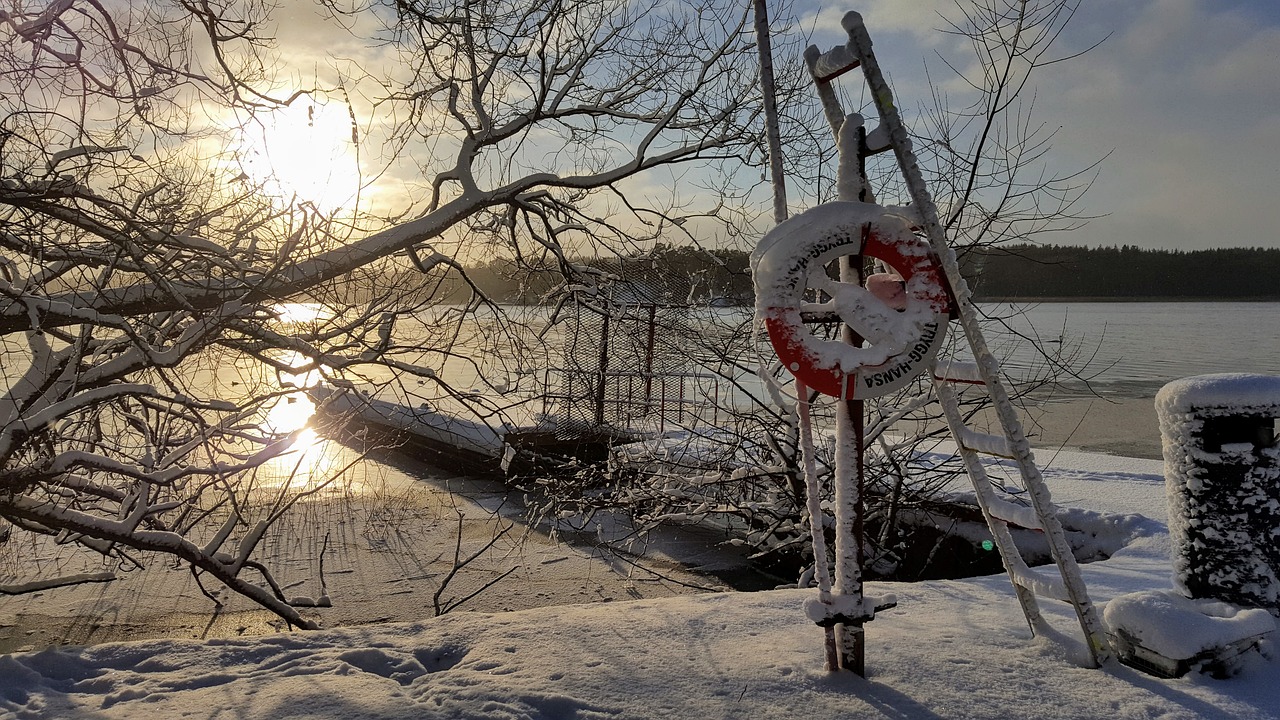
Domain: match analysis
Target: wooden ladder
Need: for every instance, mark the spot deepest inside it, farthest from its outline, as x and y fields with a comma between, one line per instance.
x=1028, y=584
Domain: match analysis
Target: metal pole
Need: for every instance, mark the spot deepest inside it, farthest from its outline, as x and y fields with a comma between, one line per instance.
x=648, y=363
x=604, y=367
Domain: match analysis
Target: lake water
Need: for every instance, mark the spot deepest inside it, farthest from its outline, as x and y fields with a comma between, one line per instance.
x=1133, y=348
x=1109, y=359
x=1126, y=351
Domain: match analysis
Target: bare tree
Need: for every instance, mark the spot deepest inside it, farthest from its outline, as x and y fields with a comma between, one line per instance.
x=142, y=266
x=990, y=166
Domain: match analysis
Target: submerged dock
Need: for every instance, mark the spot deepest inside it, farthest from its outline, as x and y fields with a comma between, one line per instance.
x=514, y=435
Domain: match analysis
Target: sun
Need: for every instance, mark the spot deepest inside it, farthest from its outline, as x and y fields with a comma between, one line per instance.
x=305, y=151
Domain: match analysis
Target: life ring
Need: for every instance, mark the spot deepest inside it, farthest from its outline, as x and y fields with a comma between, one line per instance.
x=792, y=257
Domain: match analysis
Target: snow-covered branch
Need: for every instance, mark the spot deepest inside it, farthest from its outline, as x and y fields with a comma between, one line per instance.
x=147, y=265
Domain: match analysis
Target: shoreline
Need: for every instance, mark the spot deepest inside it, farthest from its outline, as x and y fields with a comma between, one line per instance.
x=379, y=554
x=1124, y=427
x=1121, y=423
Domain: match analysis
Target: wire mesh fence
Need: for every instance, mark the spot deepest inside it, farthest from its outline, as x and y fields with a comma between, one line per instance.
x=627, y=367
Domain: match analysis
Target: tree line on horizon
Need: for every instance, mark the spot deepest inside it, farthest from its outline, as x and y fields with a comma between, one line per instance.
x=689, y=274
x=1124, y=272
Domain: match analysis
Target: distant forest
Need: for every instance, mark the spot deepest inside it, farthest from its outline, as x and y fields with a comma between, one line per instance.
x=680, y=274
x=1031, y=271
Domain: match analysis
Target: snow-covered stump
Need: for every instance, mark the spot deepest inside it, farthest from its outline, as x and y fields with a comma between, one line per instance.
x=1222, y=474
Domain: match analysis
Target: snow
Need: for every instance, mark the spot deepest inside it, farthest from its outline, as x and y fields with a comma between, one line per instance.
x=444, y=420
x=950, y=649
x=813, y=511
x=985, y=443
x=1179, y=627
x=1222, y=391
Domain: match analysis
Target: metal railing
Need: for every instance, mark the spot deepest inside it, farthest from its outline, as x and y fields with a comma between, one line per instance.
x=631, y=400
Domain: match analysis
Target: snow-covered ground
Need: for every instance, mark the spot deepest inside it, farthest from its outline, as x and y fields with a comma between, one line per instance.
x=951, y=649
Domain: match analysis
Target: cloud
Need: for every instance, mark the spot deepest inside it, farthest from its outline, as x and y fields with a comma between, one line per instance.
x=1186, y=94
x=892, y=22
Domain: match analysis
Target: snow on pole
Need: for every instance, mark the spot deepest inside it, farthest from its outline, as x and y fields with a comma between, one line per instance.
x=850, y=634
x=818, y=609
x=850, y=183
x=848, y=586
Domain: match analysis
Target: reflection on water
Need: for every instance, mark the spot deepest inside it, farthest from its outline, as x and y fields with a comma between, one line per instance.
x=307, y=464
x=303, y=464
x=302, y=312
x=320, y=467
x=289, y=413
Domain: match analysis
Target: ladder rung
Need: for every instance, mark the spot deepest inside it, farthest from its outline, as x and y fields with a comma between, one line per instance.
x=958, y=372
x=1020, y=515
x=819, y=316
x=878, y=141
x=1041, y=584
x=985, y=443
x=833, y=63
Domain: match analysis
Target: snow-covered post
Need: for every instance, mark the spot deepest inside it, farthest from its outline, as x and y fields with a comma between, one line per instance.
x=852, y=185
x=1222, y=469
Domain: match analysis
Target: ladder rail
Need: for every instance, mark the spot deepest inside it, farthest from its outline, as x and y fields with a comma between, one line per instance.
x=826, y=94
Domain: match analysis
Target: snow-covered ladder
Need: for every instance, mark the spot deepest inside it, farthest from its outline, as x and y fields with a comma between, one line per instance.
x=1068, y=585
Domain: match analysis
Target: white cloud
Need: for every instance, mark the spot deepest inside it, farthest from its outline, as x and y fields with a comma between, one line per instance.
x=1185, y=92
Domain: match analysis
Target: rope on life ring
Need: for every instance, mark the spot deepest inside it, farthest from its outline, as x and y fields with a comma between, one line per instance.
x=792, y=258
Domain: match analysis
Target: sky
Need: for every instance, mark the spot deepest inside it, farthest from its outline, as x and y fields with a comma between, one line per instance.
x=1178, y=103
x=1182, y=98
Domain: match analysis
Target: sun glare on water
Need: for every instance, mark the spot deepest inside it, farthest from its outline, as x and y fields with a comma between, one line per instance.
x=305, y=462
x=302, y=312
x=304, y=151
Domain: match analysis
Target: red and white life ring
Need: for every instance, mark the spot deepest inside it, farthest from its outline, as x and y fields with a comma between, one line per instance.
x=901, y=342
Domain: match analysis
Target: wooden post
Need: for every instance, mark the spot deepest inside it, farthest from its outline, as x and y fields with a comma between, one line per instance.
x=772, y=133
